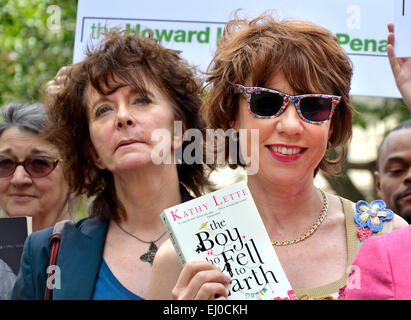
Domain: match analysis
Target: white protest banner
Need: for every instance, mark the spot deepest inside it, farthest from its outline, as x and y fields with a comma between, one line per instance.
x=194, y=28
x=402, y=28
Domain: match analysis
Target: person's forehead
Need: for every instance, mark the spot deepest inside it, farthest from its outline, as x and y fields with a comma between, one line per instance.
x=144, y=84
x=21, y=141
x=397, y=143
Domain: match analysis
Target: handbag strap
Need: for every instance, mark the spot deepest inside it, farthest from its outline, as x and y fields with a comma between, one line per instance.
x=55, y=239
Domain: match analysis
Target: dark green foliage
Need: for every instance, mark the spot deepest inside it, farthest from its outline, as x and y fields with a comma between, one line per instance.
x=32, y=50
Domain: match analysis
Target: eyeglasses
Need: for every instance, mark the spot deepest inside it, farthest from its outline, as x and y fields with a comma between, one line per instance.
x=268, y=103
x=35, y=167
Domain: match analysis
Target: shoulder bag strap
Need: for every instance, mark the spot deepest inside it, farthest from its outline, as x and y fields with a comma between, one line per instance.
x=54, y=250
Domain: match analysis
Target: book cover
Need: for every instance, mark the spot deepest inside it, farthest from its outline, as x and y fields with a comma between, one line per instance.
x=225, y=228
x=13, y=234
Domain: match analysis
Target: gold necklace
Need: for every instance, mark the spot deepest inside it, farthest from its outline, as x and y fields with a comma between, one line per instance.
x=314, y=227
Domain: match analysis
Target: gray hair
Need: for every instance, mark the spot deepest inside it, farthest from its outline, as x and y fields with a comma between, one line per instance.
x=31, y=117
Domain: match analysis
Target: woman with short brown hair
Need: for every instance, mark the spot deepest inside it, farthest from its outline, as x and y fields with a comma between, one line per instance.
x=289, y=81
x=309, y=57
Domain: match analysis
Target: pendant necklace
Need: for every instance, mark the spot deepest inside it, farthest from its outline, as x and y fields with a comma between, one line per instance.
x=152, y=250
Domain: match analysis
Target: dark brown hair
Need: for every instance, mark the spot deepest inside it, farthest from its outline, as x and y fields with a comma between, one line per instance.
x=121, y=59
x=309, y=56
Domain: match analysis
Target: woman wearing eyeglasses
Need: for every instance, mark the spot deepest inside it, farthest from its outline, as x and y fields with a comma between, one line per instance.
x=290, y=80
x=31, y=175
x=116, y=122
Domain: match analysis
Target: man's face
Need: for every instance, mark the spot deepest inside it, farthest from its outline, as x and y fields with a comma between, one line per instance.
x=393, y=180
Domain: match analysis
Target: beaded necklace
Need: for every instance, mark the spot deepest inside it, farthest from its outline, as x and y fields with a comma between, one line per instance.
x=314, y=227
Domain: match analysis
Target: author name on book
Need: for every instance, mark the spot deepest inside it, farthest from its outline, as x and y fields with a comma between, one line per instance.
x=212, y=203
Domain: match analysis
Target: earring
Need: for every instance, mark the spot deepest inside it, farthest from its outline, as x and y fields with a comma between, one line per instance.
x=234, y=135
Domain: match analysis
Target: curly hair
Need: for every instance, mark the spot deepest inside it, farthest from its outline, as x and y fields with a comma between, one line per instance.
x=309, y=56
x=121, y=59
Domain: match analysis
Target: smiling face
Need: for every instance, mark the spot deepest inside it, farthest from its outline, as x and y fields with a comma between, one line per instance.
x=393, y=180
x=22, y=195
x=289, y=148
x=121, y=125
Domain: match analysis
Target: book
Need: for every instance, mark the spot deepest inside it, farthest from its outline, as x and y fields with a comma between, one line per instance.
x=13, y=234
x=225, y=228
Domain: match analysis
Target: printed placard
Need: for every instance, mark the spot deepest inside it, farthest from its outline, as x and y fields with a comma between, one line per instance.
x=13, y=234
x=194, y=28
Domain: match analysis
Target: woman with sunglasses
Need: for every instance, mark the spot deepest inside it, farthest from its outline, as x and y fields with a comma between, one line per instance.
x=116, y=116
x=31, y=174
x=290, y=80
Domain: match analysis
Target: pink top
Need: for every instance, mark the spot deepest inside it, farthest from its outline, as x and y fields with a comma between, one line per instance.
x=382, y=268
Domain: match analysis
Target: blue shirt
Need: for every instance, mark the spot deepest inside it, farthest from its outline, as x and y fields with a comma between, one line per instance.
x=109, y=288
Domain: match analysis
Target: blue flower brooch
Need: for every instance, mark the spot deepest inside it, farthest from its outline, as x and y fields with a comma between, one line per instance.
x=370, y=217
